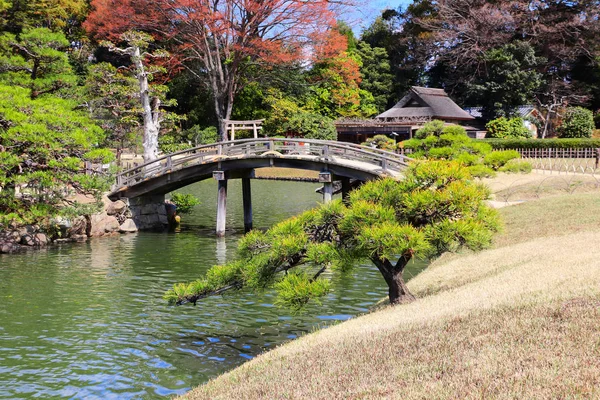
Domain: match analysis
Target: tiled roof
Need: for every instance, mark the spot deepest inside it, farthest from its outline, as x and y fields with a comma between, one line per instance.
x=522, y=111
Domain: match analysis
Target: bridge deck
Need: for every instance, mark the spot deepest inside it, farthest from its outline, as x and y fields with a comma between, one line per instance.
x=182, y=168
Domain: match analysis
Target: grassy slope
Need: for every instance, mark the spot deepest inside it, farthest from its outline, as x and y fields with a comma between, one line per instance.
x=521, y=320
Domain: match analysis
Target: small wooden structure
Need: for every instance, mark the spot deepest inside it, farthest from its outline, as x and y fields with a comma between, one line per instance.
x=231, y=126
x=419, y=106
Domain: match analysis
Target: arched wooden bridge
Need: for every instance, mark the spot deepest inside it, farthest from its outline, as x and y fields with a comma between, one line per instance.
x=238, y=159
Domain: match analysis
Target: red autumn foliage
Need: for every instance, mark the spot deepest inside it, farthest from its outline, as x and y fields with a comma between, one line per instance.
x=224, y=37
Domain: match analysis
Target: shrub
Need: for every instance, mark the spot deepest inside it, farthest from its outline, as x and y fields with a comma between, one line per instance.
x=455, y=130
x=381, y=142
x=481, y=171
x=184, y=202
x=441, y=153
x=543, y=143
x=468, y=159
x=504, y=128
x=577, y=123
x=432, y=128
x=498, y=159
x=516, y=166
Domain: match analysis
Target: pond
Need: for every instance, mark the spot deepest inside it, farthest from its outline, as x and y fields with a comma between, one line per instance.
x=87, y=320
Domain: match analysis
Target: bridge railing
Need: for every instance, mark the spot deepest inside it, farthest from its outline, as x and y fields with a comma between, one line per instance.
x=324, y=150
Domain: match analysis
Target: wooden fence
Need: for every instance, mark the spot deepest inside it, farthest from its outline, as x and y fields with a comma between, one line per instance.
x=582, y=161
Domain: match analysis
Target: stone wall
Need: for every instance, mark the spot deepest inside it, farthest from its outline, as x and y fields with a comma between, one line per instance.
x=116, y=217
x=149, y=212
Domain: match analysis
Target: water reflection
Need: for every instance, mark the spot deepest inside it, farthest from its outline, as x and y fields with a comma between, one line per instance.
x=221, y=253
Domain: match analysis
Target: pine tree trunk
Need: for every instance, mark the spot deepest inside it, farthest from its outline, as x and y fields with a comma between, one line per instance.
x=398, y=292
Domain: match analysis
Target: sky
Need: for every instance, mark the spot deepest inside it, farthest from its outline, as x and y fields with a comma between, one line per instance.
x=370, y=9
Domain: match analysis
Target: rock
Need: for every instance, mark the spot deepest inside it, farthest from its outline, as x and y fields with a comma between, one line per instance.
x=106, y=201
x=97, y=226
x=116, y=207
x=28, y=240
x=78, y=227
x=61, y=222
x=128, y=226
x=8, y=247
x=26, y=230
x=79, y=238
x=111, y=224
x=102, y=224
x=41, y=239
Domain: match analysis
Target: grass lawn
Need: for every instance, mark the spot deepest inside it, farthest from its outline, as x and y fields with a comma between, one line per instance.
x=520, y=320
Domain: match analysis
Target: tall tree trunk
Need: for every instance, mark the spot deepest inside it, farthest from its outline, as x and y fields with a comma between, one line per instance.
x=223, y=110
x=150, y=109
x=398, y=292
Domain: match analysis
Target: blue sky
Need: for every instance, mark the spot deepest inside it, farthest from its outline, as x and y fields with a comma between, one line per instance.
x=369, y=10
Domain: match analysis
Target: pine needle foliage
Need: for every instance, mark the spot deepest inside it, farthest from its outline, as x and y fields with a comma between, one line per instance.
x=434, y=141
x=437, y=207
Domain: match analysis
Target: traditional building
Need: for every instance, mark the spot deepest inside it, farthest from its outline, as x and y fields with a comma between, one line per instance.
x=418, y=106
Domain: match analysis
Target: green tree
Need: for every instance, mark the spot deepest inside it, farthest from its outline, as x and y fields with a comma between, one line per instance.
x=511, y=79
x=112, y=99
x=408, y=45
x=58, y=15
x=336, y=91
x=505, y=128
x=151, y=97
x=375, y=74
x=578, y=122
x=434, y=209
x=36, y=60
x=43, y=144
x=288, y=118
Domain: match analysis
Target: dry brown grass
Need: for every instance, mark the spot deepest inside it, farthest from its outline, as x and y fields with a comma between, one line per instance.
x=518, y=321
x=550, y=217
x=540, y=184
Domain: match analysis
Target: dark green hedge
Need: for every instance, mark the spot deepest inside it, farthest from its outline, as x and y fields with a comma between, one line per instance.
x=543, y=143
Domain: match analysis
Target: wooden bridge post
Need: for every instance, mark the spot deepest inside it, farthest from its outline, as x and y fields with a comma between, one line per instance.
x=221, y=202
x=247, y=201
x=327, y=181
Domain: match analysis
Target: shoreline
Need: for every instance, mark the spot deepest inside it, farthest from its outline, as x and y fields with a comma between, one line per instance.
x=460, y=297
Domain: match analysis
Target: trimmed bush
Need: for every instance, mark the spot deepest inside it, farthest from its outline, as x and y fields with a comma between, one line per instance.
x=381, y=142
x=543, y=143
x=577, y=123
x=432, y=128
x=504, y=128
x=516, y=166
x=481, y=171
x=498, y=159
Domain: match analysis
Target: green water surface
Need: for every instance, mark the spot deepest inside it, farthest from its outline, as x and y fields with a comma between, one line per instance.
x=86, y=320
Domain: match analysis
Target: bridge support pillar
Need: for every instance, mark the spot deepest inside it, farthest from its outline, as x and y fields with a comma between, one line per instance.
x=221, y=202
x=247, y=201
x=327, y=180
